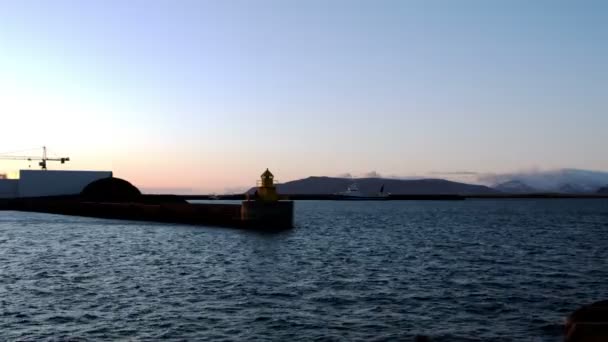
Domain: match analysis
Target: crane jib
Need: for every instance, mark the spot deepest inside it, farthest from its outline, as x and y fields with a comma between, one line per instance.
x=43, y=160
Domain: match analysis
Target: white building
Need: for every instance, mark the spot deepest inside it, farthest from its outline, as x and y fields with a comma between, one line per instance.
x=38, y=183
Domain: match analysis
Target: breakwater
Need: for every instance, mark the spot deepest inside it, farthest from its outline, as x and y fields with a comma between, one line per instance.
x=168, y=209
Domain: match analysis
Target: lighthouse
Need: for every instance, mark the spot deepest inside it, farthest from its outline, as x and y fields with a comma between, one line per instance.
x=267, y=191
x=266, y=211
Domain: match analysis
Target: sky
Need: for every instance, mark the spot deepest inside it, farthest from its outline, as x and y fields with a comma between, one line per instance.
x=202, y=96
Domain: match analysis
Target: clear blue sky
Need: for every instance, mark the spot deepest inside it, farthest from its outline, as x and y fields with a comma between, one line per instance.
x=207, y=94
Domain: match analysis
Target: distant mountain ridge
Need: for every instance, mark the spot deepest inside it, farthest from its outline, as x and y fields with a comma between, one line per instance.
x=332, y=185
x=519, y=187
x=564, y=181
x=515, y=187
x=570, y=181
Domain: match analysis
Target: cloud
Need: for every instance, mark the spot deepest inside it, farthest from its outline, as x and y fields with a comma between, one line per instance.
x=372, y=174
x=463, y=176
x=345, y=175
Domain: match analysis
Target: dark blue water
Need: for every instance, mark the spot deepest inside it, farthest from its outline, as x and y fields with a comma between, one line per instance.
x=456, y=271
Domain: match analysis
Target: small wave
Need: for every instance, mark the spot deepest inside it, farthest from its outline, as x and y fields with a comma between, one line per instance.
x=60, y=319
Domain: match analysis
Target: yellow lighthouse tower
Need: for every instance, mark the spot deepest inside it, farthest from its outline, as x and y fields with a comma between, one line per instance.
x=267, y=190
x=267, y=212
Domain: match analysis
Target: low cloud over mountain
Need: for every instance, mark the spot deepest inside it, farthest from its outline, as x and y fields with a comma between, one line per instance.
x=562, y=180
x=515, y=187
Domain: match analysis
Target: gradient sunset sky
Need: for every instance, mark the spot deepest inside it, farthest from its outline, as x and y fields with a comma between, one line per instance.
x=204, y=95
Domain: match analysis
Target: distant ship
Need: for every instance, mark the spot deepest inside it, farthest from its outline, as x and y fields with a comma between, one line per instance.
x=353, y=193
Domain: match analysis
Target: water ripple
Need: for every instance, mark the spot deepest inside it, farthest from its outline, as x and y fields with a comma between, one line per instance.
x=456, y=271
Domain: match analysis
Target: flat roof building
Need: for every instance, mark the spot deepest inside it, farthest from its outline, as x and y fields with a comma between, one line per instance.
x=39, y=183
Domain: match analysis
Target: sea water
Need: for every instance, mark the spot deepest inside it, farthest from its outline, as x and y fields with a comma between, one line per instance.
x=383, y=271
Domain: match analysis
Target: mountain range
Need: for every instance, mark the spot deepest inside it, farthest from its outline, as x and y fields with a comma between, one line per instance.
x=566, y=181
x=332, y=185
x=570, y=181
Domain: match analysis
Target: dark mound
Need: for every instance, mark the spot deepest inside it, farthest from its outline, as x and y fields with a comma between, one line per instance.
x=588, y=323
x=111, y=189
x=603, y=190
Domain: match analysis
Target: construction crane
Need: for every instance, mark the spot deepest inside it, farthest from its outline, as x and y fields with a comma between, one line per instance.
x=42, y=162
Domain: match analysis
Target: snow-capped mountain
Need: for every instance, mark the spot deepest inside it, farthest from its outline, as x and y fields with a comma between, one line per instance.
x=563, y=180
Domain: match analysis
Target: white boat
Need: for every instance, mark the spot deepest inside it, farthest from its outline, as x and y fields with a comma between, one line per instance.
x=353, y=193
